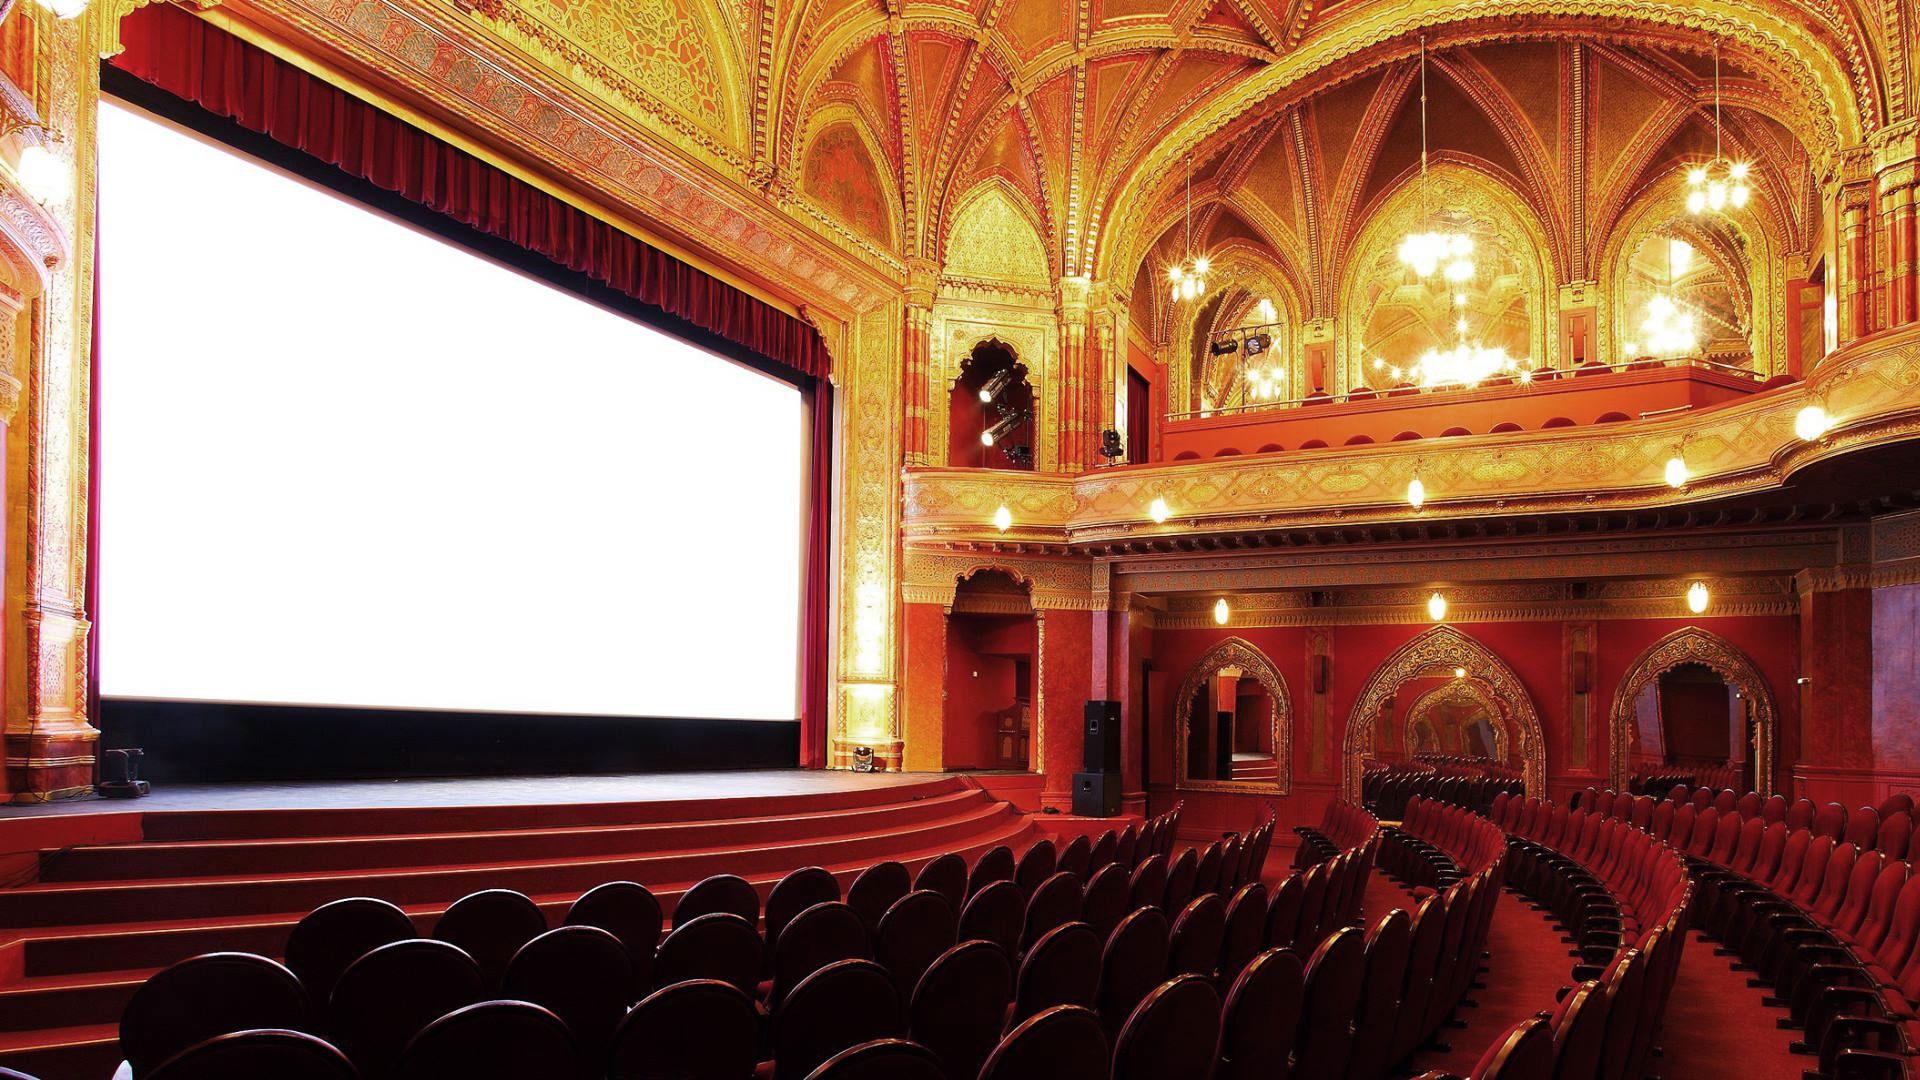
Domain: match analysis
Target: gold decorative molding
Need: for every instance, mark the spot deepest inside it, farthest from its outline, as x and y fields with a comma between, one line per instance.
x=1693, y=645
x=1440, y=651
x=1245, y=655
x=1871, y=388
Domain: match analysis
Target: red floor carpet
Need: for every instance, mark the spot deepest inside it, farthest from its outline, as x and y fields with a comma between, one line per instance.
x=1716, y=1025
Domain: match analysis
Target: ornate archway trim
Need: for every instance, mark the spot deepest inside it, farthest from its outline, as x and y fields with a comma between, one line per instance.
x=1472, y=690
x=1443, y=649
x=1692, y=645
x=1244, y=654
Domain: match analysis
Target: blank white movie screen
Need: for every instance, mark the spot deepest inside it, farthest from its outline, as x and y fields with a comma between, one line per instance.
x=347, y=463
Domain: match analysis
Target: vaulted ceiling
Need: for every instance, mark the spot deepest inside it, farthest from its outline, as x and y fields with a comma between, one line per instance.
x=871, y=120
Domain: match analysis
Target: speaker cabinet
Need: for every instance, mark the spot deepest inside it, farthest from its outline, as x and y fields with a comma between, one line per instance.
x=1096, y=794
x=1100, y=746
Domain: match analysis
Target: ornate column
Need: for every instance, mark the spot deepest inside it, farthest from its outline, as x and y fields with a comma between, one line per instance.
x=1896, y=157
x=49, y=739
x=1077, y=436
x=868, y=365
x=917, y=394
x=1852, y=204
x=1579, y=324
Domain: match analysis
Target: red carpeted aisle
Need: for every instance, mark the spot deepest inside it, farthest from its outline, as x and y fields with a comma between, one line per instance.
x=1716, y=1024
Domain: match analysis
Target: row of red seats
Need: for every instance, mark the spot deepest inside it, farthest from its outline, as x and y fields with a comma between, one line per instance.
x=1888, y=828
x=1709, y=775
x=1343, y=827
x=1466, y=765
x=1627, y=895
x=1387, y=791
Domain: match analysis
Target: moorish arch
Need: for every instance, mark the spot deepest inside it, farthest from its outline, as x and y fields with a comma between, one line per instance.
x=1243, y=654
x=1457, y=692
x=1440, y=651
x=1692, y=645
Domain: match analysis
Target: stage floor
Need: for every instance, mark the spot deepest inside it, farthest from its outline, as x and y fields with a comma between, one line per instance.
x=477, y=791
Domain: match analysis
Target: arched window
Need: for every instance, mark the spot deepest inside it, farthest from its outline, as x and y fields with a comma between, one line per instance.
x=1684, y=294
x=990, y=411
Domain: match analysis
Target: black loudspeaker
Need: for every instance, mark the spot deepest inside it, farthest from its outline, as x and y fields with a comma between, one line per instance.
x=1101, y=742
x=1096, y=794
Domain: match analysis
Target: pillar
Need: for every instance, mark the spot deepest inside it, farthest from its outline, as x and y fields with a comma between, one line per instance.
x=923, y=686
x=1896, y=159
x=1065, y=658
x=1079, y=407
x=916, y=394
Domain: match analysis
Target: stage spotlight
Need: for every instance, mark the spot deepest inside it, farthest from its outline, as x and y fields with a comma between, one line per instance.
x=998, y=382
x=1223, y=346
x=1258, y=343
x=1110, y=447
x=1000, y=429
x=1020, y=454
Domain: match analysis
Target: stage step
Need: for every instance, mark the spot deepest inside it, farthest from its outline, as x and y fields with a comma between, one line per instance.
x=203, y=859
x=83, y=947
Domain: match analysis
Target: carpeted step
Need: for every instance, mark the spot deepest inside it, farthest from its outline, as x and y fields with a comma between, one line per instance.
x=92, y=904
x=201, y=859
x=184, y=825
x=88, y=1052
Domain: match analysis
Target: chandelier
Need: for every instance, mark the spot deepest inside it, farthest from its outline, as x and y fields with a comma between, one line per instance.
x=1189, y=275
x=1467, y=363
x=1668, y=329
x=1719, y=183
x=1425, y=252
x=1265, y=384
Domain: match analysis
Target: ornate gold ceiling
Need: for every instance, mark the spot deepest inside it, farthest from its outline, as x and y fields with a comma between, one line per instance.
x=864, y=125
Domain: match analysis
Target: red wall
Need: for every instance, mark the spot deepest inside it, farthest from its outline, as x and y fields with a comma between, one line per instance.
x=1532, y=649
x=981, y=655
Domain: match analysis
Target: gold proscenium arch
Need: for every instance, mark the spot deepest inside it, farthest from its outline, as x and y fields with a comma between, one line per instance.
x=1440, y=651
x=1245, y=655
x=1692, y=645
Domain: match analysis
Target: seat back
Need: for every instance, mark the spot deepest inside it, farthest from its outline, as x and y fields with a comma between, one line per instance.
x=1388, y=944
x=1181, y=877
x=795, y=893
x=1880, y=904
x=1333, y=982
x=1579, y=1026
x=203, y=997
x=384, y=998
x=1246, y=930
x=717, y=946
x=1429, y=927
x=960, y=1006
x=628, y=911
x=1171, y=1034
x=1262, y=1018
x=1055, y=902
x=1106, y=898
x=1036, y=866
x=249, y=1055
x=727, y=894
x=1206, y=876
x=995, y=865
x=1194, y=948
x=995, y=913
x=491, y=925
x=946, y=875
x=915, y=930
x=1624, y=1003
x=1831, y=821
x=335, y=934
x=1132, y=962
x=1895, y=836
x=1062, y=968
x=823, y=934
x=876, y=889
x=1065, y=1042
x=1105, y=851
x=840, y=1006
x=582, y=975
x=1524, y=1052
x=492, y=1038
x=1149, y=883
x=1075, y=857
x=882, y=1059
x=1283, y=911
x=702, y=1029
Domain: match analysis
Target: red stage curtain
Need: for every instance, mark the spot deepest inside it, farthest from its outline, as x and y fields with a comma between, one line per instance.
x=198, y=62
x=815, y=645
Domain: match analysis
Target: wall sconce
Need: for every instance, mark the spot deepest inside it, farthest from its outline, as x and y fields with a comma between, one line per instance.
x=1698, y=597
x=1003, y=518
x=1158, y=511
x=1437, y=607
x=1811, y=422
x=1221, y=613
x=1416, y=493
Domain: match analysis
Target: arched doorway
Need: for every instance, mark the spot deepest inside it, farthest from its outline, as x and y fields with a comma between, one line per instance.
x=990, y=681
x=991, y=399
x=1233, y=723
x=1689, y=669
x=1421, y=666
x=1459, y=718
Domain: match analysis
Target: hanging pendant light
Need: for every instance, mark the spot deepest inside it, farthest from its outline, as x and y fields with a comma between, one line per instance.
x=1426, y=252
x=1188, y=277
x=1719, y=184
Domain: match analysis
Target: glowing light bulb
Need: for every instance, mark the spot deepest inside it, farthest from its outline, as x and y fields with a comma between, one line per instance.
x=1696, y=202
x=1003, y=518
x=1436, y=607
x=1811, y=423
x=1459, y=270
x=43, y=175
x=1158, y=511
x=1717, y=194
x=1416, y=493
x=1740, y=195
x=1173, y=274
x=1200, y=266
x=1221, y=613
x=1738, y=170
x=1676, y=472
x=1698, y=597
x=986, y=438
x=1697, y=175
x=1459, y=673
